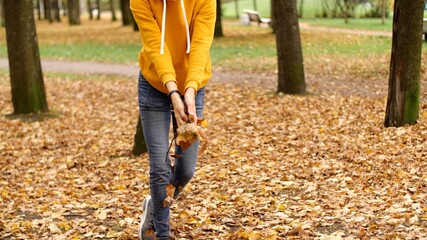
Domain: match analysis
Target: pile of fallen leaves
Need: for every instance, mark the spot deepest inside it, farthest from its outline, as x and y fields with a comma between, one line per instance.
x=276, y=167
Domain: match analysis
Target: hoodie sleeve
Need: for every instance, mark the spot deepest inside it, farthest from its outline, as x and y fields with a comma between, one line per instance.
x=151, y=37
x=201, y=41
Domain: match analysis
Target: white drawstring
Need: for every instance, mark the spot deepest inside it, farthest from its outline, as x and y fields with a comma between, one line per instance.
x=187, y=29
x=162, y=42
x=186, y=26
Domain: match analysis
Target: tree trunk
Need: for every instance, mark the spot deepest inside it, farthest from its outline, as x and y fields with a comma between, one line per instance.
x=273, y=16
x=74, y=12
x=139, y=146
x=218, y=24
x=47, y=10
x=255, y=6
x=126, y=14
x=2, y=23
x=113, y=11
x=135, y=24
x=89, y=9
x=98, y=5
x=236, y=4
x=39, y=11
x=289, y=51
x=346, y=12
x=56, y=10
x=64, y=7
x=301, y=9
x=383, y=11
x=405, y=64
x=28, y=92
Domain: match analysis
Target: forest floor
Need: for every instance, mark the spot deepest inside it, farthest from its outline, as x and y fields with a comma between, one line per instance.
x=303, y=167
x=319, y=166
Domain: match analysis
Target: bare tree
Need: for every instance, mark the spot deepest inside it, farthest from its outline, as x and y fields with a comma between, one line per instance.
x=405, y=64
x=28, y=91
x=272, y=15
x=236, y=5
x=135, y=24
x=56, y=10
x=139, y=146
x=64, y=4
x=113, y=11
x=218, y=24
x=47, y=10
x=126, y=13
x=383, y=10
x=339, y=8
x=98, y=6
x=301, y=9
x=2, y=13
x=289, y=51
x=39, y=11
x=89, y=7
x=73, y=12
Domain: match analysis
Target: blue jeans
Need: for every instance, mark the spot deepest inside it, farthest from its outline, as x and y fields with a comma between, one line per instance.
x=155, y=111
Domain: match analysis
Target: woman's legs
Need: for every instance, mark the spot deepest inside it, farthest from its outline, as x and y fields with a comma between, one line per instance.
x=185, y=166
x=155, y=114
x=154, y=108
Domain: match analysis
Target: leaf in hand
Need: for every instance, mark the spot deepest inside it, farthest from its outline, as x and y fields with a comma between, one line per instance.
x=187, y=135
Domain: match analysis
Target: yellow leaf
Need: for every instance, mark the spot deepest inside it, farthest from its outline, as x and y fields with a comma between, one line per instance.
x=64, y=225
x=203, y=123
x=255, y=236
x=112, y=234
x=184, y=215
x=119, y=187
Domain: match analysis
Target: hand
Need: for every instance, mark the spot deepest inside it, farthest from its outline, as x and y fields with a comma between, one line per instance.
x=190, y=101
x=179, y=109
x=177, y=103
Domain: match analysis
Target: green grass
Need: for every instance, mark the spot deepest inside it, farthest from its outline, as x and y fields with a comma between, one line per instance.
x=244, y=48
x=263, y=7
x=229, y=9
x=372, y=24
x=248, y=48
x=311, y=8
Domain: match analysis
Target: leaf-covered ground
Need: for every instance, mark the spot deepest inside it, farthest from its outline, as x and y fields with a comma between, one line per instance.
x=277, y=167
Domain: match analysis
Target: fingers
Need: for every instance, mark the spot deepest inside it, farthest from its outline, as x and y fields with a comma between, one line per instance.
x=191, y=105
x=179, y=120
x=185, y=112
x=180, y=116
x=192, y=114
x=179, y=110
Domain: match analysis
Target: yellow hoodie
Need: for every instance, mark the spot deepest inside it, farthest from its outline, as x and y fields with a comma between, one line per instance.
x=176, y=37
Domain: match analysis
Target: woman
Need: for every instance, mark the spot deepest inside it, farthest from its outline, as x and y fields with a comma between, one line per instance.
x=175, y=67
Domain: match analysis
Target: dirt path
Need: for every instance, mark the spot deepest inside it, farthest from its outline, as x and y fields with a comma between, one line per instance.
x=316, y=85
x=83, y=67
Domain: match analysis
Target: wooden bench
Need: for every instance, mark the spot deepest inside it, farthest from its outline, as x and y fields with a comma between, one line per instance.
x=255, y=17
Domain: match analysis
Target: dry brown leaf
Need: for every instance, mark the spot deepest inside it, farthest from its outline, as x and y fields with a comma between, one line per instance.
x=170, y=191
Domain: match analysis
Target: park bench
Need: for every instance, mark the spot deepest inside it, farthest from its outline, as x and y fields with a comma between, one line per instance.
x=255, y=17
x=425, y=28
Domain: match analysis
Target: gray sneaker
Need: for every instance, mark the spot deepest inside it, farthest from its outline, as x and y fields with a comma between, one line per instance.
x=146, y=226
